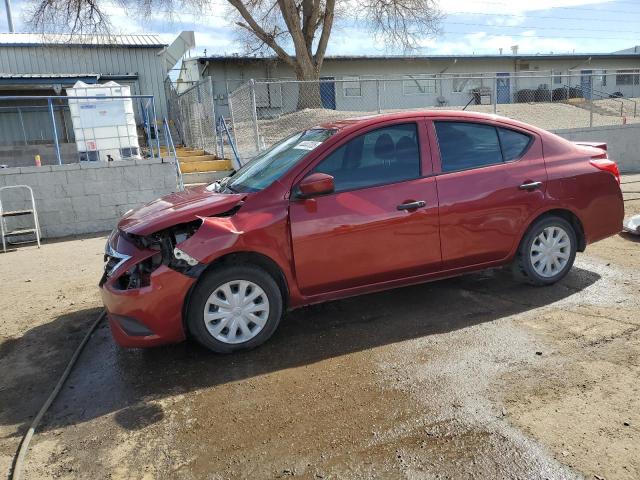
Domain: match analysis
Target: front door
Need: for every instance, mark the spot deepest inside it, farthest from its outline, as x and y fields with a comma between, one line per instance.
x=328, y=92
x=503, y=87
x=381, y=223
x=492, y=180
x=586, y=83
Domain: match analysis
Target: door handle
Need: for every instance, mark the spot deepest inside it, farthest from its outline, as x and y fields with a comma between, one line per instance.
x=412, y=205
x=530, y=186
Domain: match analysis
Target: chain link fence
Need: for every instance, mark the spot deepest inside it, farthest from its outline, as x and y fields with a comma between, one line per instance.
x=263, y=112
x=50, y=130
x=243, y=111
x=192, y=116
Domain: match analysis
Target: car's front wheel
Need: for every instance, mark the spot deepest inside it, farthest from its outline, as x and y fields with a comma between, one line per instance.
x=547, y=251
x=234, y=307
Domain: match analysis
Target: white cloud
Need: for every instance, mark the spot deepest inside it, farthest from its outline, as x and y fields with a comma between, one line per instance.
x=505, y=7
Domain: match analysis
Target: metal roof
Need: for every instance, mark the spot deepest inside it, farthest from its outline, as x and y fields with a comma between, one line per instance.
x=535, y=56
x=41, y=39
x=47, y=75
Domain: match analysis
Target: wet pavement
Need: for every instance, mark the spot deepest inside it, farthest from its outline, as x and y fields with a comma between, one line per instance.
x=390, y=384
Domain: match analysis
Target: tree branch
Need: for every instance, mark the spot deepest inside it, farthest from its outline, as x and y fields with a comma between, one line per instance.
x=327, y=24
x=259, y=32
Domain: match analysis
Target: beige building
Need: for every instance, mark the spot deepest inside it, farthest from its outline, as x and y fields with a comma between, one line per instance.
x=355, y=82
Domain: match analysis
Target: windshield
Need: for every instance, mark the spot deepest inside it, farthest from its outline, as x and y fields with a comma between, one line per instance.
x=269, y=166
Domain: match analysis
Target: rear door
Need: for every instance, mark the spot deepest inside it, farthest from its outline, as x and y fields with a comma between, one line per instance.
x=491, y=180
x=363, y=233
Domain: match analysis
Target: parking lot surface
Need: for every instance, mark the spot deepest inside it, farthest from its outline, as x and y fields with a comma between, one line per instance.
x=471, y=377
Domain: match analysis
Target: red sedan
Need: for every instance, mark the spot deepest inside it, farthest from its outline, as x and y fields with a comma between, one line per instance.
x=353, y=207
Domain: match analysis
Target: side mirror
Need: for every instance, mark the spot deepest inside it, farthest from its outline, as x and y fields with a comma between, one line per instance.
x=316, y=184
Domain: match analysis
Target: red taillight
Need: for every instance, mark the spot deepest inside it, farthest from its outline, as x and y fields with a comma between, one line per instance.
x=606, y=165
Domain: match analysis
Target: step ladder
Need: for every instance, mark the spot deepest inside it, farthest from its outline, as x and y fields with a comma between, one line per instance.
x=4, y=214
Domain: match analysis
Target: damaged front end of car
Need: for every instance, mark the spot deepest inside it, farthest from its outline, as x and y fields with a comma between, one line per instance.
x=152, y=251
x=150, y=267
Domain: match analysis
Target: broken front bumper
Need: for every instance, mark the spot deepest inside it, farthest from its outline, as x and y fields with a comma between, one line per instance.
x=147, y=315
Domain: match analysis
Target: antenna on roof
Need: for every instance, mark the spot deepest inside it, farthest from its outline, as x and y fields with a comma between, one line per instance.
x=7, y=4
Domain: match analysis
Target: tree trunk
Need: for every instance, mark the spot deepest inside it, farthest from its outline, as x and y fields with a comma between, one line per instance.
x=308, y=88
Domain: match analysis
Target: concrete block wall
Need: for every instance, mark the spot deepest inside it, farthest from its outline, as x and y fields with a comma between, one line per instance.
x=623, y=142
x=86, y=197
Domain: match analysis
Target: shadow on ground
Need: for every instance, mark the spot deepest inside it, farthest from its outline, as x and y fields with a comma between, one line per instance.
x=630, y=237
x=108, y=379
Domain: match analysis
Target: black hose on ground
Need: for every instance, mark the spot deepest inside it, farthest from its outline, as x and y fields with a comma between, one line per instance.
x=16, y=473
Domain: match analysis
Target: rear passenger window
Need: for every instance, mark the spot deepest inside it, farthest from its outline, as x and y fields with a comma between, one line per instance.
x=514, y=144
x=467, y=145
x=387, y=155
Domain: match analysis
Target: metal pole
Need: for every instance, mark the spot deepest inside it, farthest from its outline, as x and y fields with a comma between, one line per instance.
x=495, y=95
x=233, y=123
x=24, y=132
x=7, y=4
x=213, y=117
x=145, y=119
x=155, y=125
x=221, y=139
x=378, y=93
x=55, y=131
x=254, y=113
x=201, y=114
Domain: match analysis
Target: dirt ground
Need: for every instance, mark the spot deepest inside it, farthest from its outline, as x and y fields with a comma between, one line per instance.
x=472, y=377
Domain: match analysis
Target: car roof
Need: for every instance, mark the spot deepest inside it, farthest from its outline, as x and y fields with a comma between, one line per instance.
x=358, y=122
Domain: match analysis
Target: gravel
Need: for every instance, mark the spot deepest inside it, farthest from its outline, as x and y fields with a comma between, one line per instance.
x=550, y=116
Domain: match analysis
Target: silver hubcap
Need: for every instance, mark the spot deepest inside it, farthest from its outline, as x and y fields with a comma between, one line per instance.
x=550, y=251
x=236, y=311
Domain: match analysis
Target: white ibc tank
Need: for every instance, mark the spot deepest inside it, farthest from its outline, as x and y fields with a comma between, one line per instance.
x=105, y=129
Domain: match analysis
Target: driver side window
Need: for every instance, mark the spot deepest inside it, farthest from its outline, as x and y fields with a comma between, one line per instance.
x=386, y=155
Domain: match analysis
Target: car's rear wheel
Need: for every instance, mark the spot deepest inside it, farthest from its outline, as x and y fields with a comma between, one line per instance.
x=547, y=251
x=234, y=307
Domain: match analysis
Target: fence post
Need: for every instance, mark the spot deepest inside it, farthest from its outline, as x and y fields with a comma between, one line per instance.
x=495, y=95
x=233, y=122
x=55, y=130
x=213, y=117
x=378, y=93
x=155, y=124
x=24, y=132
x=254, y=113
x=591, y=111
x=145, y=120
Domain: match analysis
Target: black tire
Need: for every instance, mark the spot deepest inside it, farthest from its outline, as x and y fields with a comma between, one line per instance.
x=523, y=268
x=216, y=277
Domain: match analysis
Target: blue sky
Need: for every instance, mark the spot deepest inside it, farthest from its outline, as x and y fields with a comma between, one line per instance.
x=480, y=27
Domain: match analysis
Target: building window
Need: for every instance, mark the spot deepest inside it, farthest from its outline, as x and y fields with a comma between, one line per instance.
x=418, y=85
x=557, y=77
x=627, y=77
x=604, y=78
x=352, y=87
x=268, y=95
x=465, y=83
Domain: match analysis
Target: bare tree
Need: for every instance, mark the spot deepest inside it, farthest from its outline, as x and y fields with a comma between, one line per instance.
x=297, y=31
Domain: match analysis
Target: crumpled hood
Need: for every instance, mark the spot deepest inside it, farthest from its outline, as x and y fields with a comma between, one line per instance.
x=177, y=208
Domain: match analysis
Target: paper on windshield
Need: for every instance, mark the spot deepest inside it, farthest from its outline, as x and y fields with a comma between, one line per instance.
x=307, y=145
